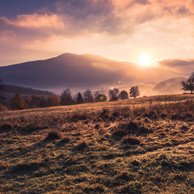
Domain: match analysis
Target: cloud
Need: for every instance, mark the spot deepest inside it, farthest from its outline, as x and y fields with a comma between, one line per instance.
x=72, y=17
x=141, y=22
x=178, y=64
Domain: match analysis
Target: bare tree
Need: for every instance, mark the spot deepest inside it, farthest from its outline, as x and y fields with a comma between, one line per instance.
x=134, y=92
x=113, y=94
x=189, y=84
x=66, y=98
x=88, y=96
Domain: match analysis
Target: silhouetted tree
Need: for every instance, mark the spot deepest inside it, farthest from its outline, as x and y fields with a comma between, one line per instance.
x=101, y=98
x=113, y=94
x=88, y=96
x=18, y=103
x=33, y=101
x=2, y=97
x=123, y=95
x=134, y=92
x=37, y=101
x=53, y=101
x=189, y=84
x=79, y=99
x=66, y=98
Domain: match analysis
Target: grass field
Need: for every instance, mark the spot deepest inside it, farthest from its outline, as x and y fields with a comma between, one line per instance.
x=143, y=145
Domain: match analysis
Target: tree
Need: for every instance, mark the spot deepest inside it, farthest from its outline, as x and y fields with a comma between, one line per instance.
x=189, y=84
x=2, y=97
x=123, y=95
x=53, y=101
x=113, y=94
x=101, y=98
x=66, y=98
x=37, y=101
x=88, y=96
x=42, y=102
x=134, y=92
x=3, y=108
x=79, y=99
x=18, y=103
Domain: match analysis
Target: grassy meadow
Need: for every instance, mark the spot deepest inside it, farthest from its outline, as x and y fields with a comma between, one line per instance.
x=143, y=145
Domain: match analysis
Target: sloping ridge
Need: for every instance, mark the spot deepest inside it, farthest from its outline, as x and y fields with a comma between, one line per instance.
x=172, y=85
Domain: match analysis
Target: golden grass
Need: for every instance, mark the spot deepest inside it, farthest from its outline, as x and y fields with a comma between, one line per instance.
x=131, y=146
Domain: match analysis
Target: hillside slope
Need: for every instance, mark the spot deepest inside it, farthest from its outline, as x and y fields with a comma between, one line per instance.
x=172, y=86
x=128, y=147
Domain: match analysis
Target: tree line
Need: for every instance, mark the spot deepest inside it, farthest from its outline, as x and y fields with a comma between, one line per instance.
x=66, y=98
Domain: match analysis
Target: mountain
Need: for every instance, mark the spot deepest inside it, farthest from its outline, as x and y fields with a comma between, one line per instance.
x=76, y=71
x=170, y=86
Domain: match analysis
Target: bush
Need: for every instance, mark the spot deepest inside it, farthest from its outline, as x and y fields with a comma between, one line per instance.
x=3, y=108
x=52, y=135
x=81, y=146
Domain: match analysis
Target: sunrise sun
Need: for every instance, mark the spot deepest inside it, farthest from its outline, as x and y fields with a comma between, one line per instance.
x=144, y=60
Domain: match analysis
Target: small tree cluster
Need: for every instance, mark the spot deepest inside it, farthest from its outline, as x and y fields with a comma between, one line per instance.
x=115, y=95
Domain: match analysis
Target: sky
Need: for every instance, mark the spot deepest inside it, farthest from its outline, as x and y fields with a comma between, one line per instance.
x=121, y=30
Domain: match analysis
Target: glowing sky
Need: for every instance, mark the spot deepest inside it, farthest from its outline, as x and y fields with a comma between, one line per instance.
x=116, y=29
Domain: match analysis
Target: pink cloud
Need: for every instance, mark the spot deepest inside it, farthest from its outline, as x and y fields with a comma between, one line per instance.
x=36, y=21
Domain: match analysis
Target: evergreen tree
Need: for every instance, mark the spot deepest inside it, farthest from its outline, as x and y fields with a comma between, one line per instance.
x=79, y=99
x=18, y=103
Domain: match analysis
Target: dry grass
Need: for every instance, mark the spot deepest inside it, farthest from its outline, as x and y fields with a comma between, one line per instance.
x=129, y=146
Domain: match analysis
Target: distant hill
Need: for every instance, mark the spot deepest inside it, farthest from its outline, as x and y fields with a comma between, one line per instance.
x=10, y=90
x=75, y=71
x=170, y=86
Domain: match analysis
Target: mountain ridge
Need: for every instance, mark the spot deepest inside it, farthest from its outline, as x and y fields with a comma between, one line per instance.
x=75, y=71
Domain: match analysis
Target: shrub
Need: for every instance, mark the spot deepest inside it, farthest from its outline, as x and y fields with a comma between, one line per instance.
x=81, y=146
x=3, y=108
x=52, y=135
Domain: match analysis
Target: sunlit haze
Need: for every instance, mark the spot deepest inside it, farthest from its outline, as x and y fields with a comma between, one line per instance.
x=144, y=60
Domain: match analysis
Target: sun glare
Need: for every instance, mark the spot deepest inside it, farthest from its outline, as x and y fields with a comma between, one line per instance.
x=144, y=60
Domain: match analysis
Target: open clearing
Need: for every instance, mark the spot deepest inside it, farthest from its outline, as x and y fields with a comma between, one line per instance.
x=144, y=145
